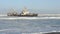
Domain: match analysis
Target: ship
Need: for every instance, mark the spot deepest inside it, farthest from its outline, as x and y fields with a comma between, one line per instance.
x=24, y=13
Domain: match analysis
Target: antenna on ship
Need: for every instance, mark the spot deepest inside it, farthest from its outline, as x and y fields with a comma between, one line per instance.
x=12, y=11
x=25, y=9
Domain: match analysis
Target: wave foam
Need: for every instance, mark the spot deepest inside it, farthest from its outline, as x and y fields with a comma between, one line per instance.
x=3, y=15
x=30, y=18
x=18, y=30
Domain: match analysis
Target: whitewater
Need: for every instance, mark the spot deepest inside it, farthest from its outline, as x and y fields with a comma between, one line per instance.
x=6, y=17
x=28, y=25
x=39, y=17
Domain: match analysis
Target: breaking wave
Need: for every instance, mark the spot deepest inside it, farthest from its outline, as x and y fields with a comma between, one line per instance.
x=18, y=30
x=30, y=18
x=3, y=15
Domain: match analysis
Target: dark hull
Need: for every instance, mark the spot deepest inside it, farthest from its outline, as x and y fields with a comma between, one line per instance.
x=34, y=15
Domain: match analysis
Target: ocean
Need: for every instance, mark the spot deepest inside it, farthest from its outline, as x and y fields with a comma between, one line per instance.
x=29, y=25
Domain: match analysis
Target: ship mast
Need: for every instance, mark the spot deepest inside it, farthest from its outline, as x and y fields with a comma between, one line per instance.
x=12, y=12
x=25, y=11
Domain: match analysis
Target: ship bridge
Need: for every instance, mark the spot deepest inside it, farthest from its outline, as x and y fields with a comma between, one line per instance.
x=25, y=11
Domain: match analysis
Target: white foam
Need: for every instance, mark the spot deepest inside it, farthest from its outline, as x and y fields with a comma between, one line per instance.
x=20, y=18
x=32, y=33
x=3, y=15
x=50, y=31
x=18, y=30
x=30, y=18
x=10, y=29
x=5, y=29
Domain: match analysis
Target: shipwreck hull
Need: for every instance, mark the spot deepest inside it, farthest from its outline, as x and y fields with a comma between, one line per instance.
x=34, y=15
x=28, y=15
x=24, y=13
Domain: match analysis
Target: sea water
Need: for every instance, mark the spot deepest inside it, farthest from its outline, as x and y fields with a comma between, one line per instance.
x=29, y=25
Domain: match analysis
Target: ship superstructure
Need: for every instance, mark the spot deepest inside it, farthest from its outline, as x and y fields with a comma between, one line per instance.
x=24, y=13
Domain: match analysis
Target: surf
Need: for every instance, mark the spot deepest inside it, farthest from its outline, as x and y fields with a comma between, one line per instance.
x=10, y=18
x=18, y=30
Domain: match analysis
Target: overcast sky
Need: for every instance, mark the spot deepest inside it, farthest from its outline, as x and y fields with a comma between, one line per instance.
x=45, y=6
